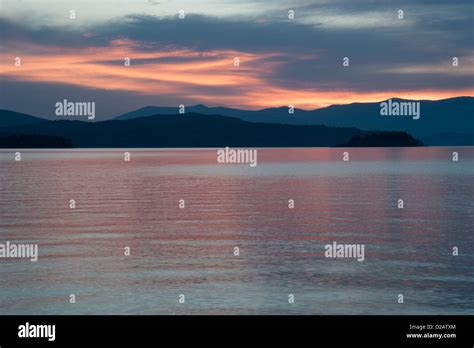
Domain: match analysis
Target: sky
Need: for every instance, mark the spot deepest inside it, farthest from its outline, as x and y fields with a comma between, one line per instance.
x=282, y=61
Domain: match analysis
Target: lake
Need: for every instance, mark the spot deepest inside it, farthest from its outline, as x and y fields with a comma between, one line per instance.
x=191, y=251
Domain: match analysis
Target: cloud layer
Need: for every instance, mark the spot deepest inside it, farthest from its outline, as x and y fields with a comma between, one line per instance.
x=282, y=61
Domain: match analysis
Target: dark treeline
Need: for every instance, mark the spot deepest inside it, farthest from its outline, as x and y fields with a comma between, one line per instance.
x=190, y=130
x=22, y=141
x=382, y=139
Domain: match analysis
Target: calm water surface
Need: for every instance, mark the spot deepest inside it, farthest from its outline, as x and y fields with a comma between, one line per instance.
x=190, y=251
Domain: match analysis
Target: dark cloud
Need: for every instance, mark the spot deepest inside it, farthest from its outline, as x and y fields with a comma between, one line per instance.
x=13, y=33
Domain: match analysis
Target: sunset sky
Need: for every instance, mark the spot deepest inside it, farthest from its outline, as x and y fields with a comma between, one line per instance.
x=189, y=61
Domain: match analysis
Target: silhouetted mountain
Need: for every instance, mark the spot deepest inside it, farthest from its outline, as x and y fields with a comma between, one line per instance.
x=382, y=139
x=11, y=118
x=448, y=122
x=454, y=115
x=190, y=130
x=197, y=109
x=448, y=116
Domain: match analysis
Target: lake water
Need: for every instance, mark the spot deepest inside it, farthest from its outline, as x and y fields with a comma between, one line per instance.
x=190, y=251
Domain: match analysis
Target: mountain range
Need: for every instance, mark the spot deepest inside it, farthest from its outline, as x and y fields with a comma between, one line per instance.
x=441, y=122
x=448, y=122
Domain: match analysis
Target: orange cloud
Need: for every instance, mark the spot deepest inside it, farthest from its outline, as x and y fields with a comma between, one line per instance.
x=207, y=77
